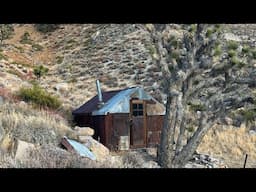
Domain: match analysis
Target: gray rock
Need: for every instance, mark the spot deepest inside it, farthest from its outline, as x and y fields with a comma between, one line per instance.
x=252, y=132
x=2, y=132
x=1, y=100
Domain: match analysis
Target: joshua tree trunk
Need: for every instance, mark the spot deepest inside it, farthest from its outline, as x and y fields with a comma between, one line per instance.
x=179, y=74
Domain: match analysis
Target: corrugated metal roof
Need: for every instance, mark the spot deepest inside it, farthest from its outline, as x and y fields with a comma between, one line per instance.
x=91, y=105
x=116, y=102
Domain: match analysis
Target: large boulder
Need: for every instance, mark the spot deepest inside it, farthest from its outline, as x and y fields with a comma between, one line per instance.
x=2, y=132
x=86, y=131
x=99, y=150
x=1, y=100
x=23, y=150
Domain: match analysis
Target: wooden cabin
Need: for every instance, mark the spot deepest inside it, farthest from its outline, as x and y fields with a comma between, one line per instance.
x=123, y=119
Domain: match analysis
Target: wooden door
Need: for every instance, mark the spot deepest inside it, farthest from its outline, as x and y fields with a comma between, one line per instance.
x=138, y=126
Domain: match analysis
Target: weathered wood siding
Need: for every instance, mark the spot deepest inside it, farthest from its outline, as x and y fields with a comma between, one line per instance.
x=116, y=125
x=154, y=127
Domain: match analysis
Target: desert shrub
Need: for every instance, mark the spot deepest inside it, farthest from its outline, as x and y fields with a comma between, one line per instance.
x=40, y=70
x=33, y=125
x=45, y=28
x=232, y=45
x=2, y=57
x=175, y=54
x=196, y=107
x=254, y=54
x=39, y=97
x=209, y=32
x=246, y=49
x=248, y=115
x=59, y=59
x=6, y=31
x=235, y=61
x=217, y=51
x=231, y=53
x=37, y=47
x=190, y=129
x=25, y=38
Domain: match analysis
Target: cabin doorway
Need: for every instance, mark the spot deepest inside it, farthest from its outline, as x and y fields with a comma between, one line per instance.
x=138, y=123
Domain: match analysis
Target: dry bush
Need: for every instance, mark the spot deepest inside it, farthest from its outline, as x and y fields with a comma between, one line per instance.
x=48, y=156
x=230, y=144
x=53, y=157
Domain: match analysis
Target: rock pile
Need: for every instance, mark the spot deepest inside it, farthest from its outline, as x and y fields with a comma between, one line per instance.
x=204, y=161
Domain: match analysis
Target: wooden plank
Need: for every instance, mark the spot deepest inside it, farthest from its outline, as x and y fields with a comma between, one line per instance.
x=66, y=144
x=145, y=122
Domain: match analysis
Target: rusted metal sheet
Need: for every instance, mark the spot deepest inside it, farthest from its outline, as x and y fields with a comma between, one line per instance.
x=82, y=150
x=92, y=104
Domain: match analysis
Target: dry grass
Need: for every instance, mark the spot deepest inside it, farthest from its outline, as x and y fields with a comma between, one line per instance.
x=48, y=156
x=230, y=144
x=27, y=124
x=45, y=129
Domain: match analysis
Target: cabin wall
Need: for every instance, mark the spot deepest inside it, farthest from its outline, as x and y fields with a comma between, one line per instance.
x=98, y=124
x=154, y=128
x=83, y=120
x=110, y=127
x=116, y=125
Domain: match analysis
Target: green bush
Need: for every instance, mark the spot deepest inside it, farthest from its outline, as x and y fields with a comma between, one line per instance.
x=37, y=47
x=231, y=53
x=175, y=54
x=38, y=96
x=234, y=61
x=25, y=38
x=209, y=32
x=40, y=70
x=191, y=129
x=217, y=51
x=245, y=49
x=6, y=31
x=196, y=107
x=2, y=57
x=249, y=115
x=232, y=45
x=192, y=28
x=254, y=54
x=151, y=49
x=59, y=59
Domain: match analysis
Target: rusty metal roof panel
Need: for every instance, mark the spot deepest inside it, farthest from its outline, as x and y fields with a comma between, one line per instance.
x=115, y=102
x=81, y=149
x=91, y=105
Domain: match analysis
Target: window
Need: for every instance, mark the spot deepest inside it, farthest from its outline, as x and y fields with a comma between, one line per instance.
x=137, y=109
